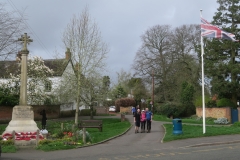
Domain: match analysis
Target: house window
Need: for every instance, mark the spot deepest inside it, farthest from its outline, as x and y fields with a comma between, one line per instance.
x=48, y=86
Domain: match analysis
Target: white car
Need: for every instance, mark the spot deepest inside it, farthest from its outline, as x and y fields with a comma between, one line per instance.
x=112, y=109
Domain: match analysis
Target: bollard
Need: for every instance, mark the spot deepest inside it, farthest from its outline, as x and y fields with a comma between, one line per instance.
x=62, y=126
x=122, y=117
x=13, y=136
x=37, y=138
x=84, y=135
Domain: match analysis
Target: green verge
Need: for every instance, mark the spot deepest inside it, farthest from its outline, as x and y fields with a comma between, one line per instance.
x=111, y=127
x=193, y=120
x=196, y=131
x=9, y=149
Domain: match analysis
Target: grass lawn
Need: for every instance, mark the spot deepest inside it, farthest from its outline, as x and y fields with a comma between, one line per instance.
x=194, y=131
x=9, y=149
x=111, y=127
x=184, y=120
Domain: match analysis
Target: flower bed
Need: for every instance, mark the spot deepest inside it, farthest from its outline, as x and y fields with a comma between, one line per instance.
x=27, y=136
x=69, y=134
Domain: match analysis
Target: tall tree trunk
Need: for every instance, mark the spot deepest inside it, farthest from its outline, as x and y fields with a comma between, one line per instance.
x=78, y=95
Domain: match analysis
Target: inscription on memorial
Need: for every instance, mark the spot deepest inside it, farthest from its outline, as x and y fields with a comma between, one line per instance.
x=23, y=113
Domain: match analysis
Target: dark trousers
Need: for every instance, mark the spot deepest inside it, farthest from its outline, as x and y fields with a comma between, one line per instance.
x=143, y=125
x=148, y=125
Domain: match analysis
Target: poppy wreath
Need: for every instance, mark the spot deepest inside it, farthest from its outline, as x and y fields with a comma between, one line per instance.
x=27, y=136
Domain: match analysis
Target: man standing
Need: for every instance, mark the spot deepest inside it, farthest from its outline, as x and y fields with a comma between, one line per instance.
x=137, y=117
x=149, y=116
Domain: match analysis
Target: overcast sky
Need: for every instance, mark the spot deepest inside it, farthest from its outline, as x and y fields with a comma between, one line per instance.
x=121, y=23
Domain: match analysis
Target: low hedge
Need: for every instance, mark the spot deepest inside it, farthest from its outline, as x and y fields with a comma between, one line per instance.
x=86, y=112
x=70, y=113
x=176, y=110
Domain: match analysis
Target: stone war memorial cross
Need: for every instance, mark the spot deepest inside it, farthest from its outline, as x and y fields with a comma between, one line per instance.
x=22, y=115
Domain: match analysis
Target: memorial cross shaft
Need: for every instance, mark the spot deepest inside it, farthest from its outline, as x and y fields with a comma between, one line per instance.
x=24, y=54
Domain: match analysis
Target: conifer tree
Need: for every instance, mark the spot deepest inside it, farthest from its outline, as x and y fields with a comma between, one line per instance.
x=222, y=63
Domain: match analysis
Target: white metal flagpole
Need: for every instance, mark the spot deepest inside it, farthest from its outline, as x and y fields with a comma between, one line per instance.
x=203, y=95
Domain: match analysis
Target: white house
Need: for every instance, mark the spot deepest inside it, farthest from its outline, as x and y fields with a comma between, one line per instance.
x=60, y=67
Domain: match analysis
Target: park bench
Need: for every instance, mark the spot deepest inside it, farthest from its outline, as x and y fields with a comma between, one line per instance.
x=90, y=124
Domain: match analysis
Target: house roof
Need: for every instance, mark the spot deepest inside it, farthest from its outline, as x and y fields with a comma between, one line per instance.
x=57, y=65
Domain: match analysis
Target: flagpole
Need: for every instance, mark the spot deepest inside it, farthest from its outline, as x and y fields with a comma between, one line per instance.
x=203, y=95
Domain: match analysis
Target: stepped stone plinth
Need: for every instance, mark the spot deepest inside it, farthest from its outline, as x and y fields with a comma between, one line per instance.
x=22, y=120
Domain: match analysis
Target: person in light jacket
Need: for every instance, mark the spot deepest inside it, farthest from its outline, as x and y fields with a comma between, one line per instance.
x=143, y=121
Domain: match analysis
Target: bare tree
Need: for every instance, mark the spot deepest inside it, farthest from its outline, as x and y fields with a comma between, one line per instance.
x=10, y=29
x=83, y=37
x=155, y=54
x=123, y=79
x=170, y=54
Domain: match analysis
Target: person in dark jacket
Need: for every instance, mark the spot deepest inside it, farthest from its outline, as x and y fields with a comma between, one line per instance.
x=44, y=119
x=137, y=118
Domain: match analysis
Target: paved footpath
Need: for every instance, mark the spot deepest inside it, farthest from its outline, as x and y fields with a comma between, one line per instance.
x=128, y=143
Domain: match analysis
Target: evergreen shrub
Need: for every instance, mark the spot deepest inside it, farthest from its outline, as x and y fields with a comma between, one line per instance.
x=170, y=109
x=224, y=102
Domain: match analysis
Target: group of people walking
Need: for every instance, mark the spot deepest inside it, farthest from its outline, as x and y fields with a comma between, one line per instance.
x=141, y=118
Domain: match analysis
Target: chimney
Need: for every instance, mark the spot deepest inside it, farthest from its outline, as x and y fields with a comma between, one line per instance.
x=68, y=54
x=19, y=56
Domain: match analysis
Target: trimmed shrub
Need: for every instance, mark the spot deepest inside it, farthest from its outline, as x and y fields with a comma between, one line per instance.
x=86, y=112
x=187, y=110
x=224, y=102
x=170, y=109
x=125, y=102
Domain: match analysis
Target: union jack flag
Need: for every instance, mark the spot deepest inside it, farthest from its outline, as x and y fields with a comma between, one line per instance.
x=211, y=31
